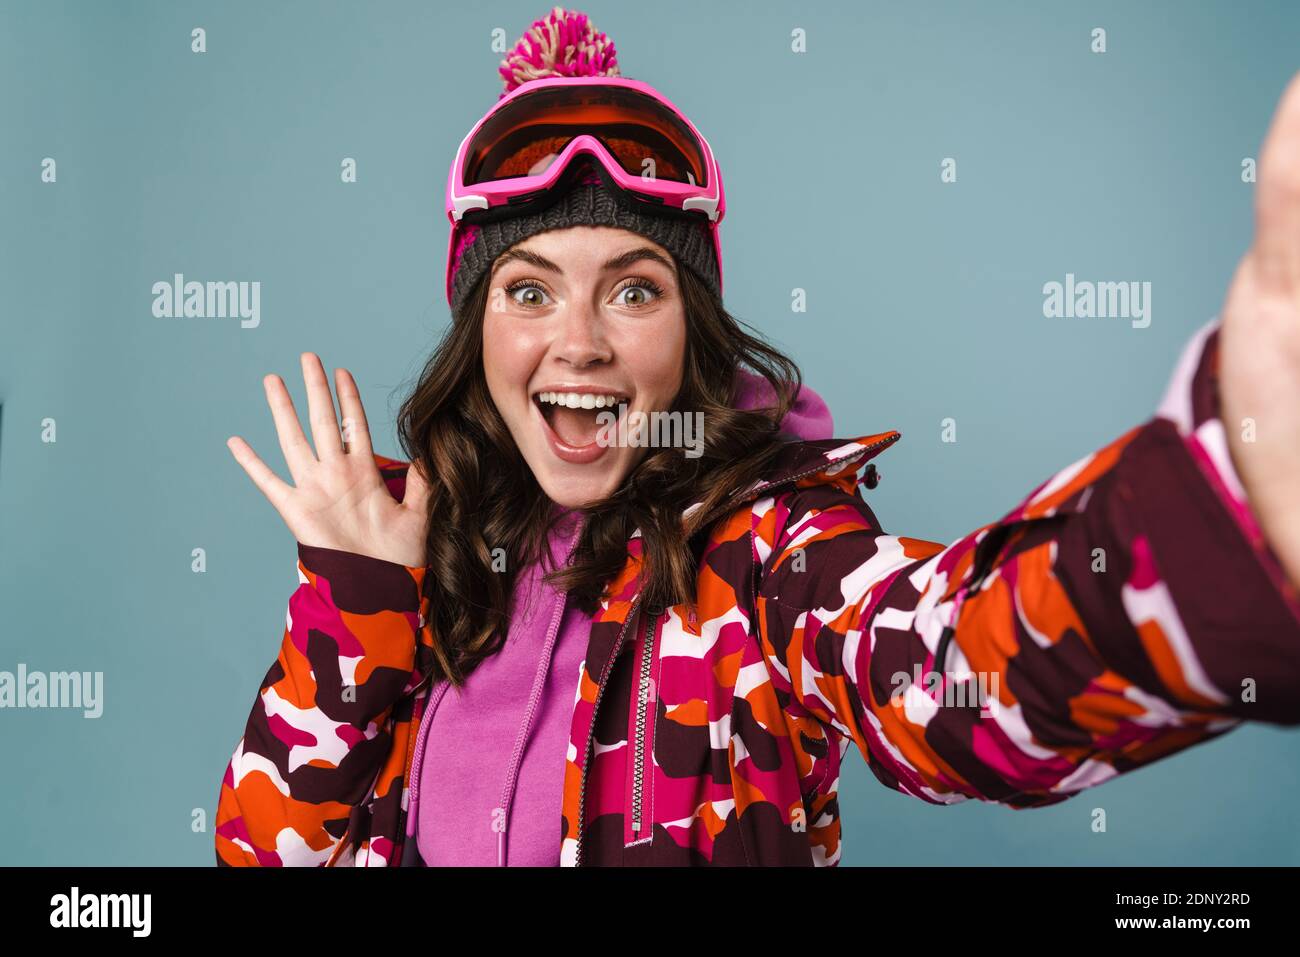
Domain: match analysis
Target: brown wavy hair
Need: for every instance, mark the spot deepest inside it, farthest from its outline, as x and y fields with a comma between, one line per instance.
x=484, y=496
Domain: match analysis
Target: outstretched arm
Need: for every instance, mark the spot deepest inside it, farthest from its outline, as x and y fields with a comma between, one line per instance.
x=1125, y=609
x=1139, y=601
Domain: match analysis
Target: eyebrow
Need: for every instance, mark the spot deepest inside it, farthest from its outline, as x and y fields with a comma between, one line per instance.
x=621, y=261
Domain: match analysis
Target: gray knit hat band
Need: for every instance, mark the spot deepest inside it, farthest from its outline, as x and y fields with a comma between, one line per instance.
x=589, y=204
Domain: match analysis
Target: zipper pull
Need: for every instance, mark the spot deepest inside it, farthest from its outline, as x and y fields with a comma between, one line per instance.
x=871, y=478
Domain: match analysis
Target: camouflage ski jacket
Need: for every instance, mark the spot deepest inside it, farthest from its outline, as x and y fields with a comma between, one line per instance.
x=1125, y=609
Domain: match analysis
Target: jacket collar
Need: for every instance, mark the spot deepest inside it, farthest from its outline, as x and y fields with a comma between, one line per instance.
x=818, y=460
x=811, y=462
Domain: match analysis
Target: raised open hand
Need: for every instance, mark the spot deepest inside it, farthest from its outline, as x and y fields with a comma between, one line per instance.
x=338, y=499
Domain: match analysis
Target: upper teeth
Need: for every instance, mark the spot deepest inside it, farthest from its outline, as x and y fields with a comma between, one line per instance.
x=578, y=400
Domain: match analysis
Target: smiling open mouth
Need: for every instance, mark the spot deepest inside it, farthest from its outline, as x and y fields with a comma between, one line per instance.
x=576, y=417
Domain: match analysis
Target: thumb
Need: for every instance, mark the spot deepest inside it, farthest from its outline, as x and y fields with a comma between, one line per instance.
x=417, y=489
x=1277, y=197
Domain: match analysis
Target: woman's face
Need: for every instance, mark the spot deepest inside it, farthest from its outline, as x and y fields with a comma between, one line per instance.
x=586, y=311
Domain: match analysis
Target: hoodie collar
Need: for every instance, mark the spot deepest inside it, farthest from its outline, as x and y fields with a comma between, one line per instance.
x=808, y=418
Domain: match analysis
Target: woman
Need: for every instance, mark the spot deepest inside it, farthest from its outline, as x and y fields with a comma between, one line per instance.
x=671, y=652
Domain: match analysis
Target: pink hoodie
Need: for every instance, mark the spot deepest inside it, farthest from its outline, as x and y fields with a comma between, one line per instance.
x=493, y=754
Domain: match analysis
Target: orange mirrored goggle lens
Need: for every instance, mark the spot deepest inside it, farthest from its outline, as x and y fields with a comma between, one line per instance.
x=523, y=137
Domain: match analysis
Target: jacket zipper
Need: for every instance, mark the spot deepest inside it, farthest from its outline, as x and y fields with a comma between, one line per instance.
x=642, y=706
x=591, y=731
x=411, y=785
x=412, y=772
x=600, y=688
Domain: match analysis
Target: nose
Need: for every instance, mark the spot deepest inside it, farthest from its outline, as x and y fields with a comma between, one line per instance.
x=580, y=336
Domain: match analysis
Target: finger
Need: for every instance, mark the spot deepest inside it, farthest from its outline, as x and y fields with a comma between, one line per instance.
x=276, y=490
x=1277, y=195
x=298, y=454
x=356, y=430
x=320, y=409
x=416, y=496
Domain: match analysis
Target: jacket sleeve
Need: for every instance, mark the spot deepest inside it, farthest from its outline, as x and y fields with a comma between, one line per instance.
x=1127, y=608
x=318, y=735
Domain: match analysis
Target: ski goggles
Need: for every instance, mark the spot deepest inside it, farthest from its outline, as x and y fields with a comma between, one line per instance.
x=516, y=155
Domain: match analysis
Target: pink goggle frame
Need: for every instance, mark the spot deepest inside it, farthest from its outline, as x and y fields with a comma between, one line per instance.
x=541, y=110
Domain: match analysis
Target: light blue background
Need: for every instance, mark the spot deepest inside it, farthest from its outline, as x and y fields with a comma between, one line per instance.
x=924, y=302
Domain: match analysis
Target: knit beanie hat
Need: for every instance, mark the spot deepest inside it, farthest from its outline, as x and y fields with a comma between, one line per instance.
x=566, y=44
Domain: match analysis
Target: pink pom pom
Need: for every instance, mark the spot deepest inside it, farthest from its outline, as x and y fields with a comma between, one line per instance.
x=564, y=43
